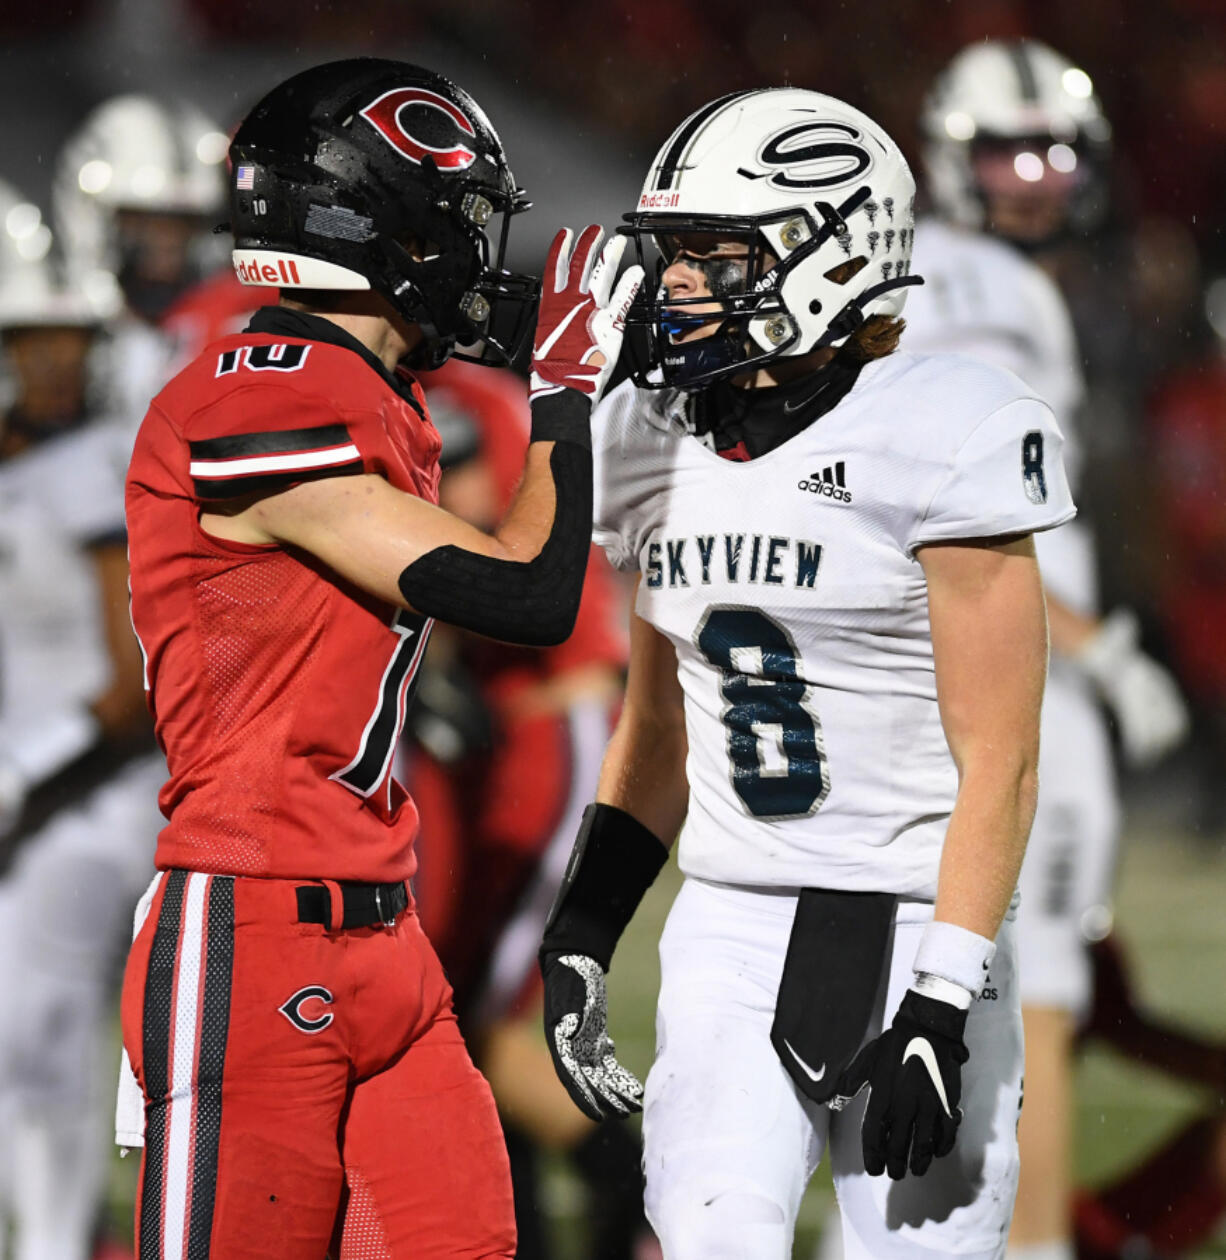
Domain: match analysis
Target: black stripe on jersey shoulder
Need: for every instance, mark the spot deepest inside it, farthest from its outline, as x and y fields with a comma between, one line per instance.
x=687, y=132
x=265, y=483
x=274, y=442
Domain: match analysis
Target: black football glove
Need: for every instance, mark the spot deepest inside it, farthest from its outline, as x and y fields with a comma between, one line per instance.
x=576, y=1027
x=914, y=1075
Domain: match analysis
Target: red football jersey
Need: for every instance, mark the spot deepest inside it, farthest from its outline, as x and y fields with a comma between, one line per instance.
x=277, y=688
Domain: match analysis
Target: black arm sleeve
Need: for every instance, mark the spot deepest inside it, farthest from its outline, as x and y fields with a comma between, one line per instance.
x=614, y=862
x=532, y=602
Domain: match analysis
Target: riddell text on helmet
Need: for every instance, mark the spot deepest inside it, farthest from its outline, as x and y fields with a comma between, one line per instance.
x=659, y=200
x=251, y=271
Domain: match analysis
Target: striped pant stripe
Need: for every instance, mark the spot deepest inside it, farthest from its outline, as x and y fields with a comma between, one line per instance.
x=187, y=1009
x=215, y=1024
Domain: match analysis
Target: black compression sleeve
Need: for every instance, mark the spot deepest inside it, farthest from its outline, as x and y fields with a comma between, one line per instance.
x=565, y=416
x=532, y=602
x=614, y=862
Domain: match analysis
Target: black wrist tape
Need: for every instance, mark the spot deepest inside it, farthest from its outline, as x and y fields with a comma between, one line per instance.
x=564, y=416
x=614, y=862
x=533, y=602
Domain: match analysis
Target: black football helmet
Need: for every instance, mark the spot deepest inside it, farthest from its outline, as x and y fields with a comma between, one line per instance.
x=373, y=174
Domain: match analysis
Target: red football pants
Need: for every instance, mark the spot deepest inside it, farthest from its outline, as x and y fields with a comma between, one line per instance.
x=307, y=1091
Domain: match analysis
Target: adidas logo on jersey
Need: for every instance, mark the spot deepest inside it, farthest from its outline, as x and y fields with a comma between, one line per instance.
x=829, y=482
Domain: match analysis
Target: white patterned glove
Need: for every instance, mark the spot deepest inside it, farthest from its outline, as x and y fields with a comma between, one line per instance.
x=576, y=1027
x=1142, y=695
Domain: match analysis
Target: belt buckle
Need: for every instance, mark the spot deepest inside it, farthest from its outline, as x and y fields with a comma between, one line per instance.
x=379, y=908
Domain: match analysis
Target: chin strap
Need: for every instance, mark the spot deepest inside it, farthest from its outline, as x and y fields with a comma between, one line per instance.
x=852, y=315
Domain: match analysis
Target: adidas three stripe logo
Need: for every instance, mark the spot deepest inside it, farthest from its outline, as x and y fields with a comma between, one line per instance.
x=830, y=482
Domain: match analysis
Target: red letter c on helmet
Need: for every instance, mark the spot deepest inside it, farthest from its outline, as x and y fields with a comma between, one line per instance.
x=384, y=115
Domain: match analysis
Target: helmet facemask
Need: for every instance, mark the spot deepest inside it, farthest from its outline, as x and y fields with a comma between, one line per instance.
x=454, y=284
x=791, y=298
x=1037, y=189
x=742, y=288
x=159, y=255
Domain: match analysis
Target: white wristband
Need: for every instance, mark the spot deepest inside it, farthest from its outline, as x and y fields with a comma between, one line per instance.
x=943, y=990
x=953, y=953
x=53, y=743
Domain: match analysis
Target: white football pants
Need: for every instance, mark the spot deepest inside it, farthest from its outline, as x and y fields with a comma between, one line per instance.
x=1066, y=878
x=730, y=1144
x=67, y=907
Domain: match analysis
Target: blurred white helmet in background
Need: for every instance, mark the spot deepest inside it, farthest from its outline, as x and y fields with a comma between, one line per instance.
x=1019, y=107
x=150, y=158
x=803, y=178
x=34, y=290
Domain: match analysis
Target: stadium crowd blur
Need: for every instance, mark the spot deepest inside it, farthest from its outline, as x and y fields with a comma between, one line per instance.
x=580, y=91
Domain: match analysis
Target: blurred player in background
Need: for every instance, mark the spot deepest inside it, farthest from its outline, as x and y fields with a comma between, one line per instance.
x=1015, y=150
x=138, y=189
x=76, y=755
x=507, y=746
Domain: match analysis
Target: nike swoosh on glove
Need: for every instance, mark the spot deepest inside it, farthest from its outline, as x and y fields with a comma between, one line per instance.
x=914, y=1075
x=576, y=1027
x=582, y=318
x=1143, y=696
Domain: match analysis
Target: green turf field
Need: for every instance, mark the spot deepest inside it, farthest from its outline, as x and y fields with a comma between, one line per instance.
x=1169, y=911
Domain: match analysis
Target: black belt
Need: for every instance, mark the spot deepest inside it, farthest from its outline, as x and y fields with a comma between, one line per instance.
x=364, y=904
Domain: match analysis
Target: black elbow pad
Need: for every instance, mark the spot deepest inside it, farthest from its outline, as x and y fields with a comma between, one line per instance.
x=532, y=602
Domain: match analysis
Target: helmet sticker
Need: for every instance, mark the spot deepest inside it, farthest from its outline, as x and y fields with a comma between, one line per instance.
x=805, y=155
x=385, y=115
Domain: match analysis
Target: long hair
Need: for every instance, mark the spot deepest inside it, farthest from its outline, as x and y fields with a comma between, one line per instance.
x=874, y=339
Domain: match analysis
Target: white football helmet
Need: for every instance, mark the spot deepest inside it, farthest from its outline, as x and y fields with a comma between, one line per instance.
x=33, y=289
x=140, y=154
x=800, y=176
x=1022, y=96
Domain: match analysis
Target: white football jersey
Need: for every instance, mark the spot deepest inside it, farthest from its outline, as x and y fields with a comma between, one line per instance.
x=983, y=298
x=56, y=499
x=138, y=360
x=790, y=589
